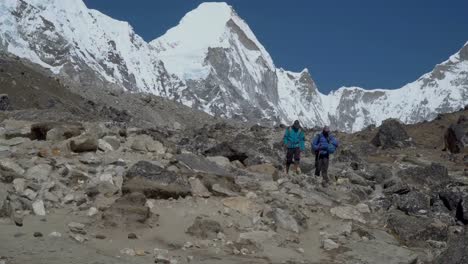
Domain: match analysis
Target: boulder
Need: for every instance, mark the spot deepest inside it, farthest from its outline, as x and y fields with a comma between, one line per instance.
x=391, y=134
x=204, y=228
x=55, y=131
x=456, y=136
x=220, y=161
x=413, y=202
x=424, y=175
x=146, y=143
x=5, y=102
x=284, y=220
x=243, y=205
x=4, y=204
x=198, y=189
x=265, y=169
x=348, y=213
x=155, y=182
x=38, y=208
x=456, y=251
x=113, y=141
x=200, y=164
x=128, y=210
x=39, y=173
x=10, y=170
x=84, y=143
x=414, y=231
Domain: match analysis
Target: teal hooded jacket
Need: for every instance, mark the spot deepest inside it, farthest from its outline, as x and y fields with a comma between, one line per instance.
x=294, y=139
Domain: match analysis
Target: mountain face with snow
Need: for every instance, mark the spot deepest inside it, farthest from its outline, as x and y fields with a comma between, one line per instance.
x=211, y=61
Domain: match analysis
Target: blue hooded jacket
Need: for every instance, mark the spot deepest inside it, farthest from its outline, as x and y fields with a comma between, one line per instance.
x=294, y=139
x=320, y=143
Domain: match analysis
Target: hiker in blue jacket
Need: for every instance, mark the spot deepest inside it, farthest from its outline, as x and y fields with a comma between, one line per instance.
x=294, y=140
x=323, y=145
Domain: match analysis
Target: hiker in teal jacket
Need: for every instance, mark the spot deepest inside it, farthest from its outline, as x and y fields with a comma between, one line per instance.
x=293, y=140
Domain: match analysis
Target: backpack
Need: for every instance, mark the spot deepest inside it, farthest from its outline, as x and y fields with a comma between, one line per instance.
x=331, y=148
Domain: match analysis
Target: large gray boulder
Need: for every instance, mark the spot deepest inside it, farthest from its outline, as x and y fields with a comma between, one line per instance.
x=424, y=175
x=84, y=143
x=415, y=231
x=456, y=136
x=457, y=250
x=128, y=210
x=392, y=134
x=155, y=182
x=56, y=130
x=4, y=102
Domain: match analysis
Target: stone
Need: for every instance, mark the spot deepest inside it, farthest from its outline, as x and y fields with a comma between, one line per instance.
x=84, y=143
x=414, y=231
x=413, y=202
x=265, y=169
x=128, y=251
x=220, y=161
x=39, y=173
x=77, y=228
x=329, y=244
x=177, y=125
x=55, y=234
x=78, y=238
x=155, y=182
x=200, y=164
x=132, y=236
x=363, y=208
x=92, y=211
x=243, y=205
x=347, y=213
x=258, y=237
x=198, y=189
x=10, y=170
x=55, y=131
x=37, y=234
x=391, y=134
x=140, y=252
x=456, y=136
x=283, y=219
x=4, y=204
x=456, y=249
x=221, y=191
x=30, y=194
x=19, y=185
x=5, y=103
x=38, y=208
x=424, y=175
x=129, y=209
x=145, y=143
x=377, y=251
x=113, y=141
x=268, y=186
x=104, y=146
x=69, y=198
x=204, y=228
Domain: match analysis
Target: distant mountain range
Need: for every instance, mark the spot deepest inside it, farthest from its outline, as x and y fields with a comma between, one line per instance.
x=212, y=61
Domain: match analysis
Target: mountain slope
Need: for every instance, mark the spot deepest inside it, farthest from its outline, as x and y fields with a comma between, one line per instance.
x=211, y=61
x=444, y=89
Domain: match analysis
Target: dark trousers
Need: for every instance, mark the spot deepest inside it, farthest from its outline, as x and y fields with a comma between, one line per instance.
x=321, y=167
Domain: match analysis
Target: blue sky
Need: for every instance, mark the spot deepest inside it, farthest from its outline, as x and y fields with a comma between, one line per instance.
x=366, y=43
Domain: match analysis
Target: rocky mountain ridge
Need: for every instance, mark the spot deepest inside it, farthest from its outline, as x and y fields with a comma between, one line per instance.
x=213, y=62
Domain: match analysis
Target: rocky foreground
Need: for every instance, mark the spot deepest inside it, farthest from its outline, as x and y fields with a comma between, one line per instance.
x=106, y=192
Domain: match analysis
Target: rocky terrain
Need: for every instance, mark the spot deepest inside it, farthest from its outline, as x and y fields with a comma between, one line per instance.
x=119, y=178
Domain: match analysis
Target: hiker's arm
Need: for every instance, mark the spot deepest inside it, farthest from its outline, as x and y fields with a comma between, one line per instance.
x=335, y=142
x=302, y=141
x=285, y=138
x=315, y=144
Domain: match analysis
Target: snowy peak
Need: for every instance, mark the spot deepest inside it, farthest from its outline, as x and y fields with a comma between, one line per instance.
x=184, y=47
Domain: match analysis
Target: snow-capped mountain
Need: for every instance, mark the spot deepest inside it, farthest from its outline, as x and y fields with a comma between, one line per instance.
x=211, y=61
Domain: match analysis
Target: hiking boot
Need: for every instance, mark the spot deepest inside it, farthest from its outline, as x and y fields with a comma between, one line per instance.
x=325, y=184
